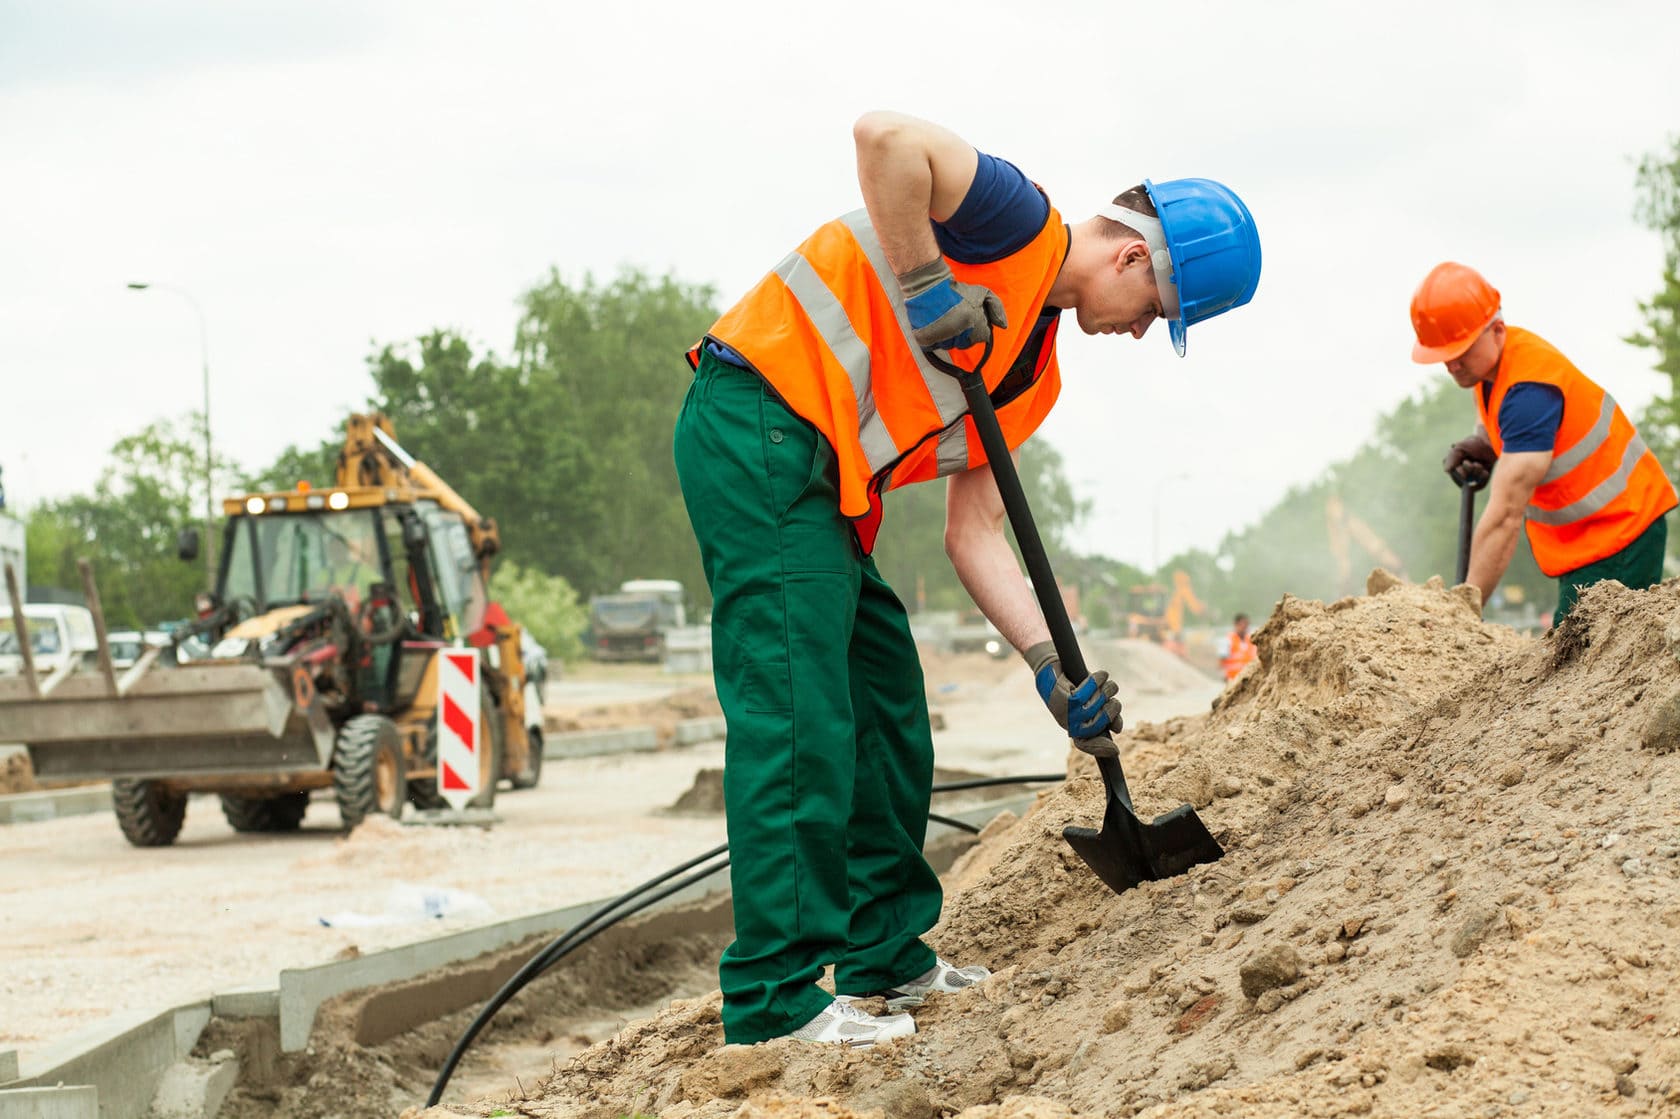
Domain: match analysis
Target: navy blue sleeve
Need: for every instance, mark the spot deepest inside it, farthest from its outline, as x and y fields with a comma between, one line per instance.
x=1001, y=212
x=1529, y=417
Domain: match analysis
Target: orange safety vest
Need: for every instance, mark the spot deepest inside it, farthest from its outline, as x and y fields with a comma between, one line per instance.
x=1604, y=487
x=1239, y=651
x=827, y=329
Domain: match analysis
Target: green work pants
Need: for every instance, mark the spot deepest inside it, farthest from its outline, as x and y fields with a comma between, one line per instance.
x=1639, y=565
x=828, y=764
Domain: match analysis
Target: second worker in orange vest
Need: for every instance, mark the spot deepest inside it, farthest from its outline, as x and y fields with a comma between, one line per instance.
x=1571, y=467
x=812, y=399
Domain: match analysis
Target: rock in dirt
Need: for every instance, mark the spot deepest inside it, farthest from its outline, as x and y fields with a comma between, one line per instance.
x=1277, y=966
x=1478, y=919
x=1380, y=580
x=1661, y=733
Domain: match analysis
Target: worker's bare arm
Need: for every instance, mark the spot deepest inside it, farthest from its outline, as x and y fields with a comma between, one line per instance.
x=980, y=553
x=1495, y=540
x=910, y=170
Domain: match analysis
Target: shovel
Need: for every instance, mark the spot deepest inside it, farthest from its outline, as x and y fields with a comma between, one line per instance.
x=1126, y=850
x=1473, y=480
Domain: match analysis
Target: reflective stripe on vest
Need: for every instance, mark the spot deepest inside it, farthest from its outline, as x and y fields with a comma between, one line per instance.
x=828, y=331
x=1603, y=487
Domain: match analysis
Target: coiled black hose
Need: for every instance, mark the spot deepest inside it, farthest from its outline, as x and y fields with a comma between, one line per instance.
x=605, y=918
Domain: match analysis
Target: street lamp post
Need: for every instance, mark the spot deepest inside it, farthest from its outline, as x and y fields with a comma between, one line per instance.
x=1160, y=489
x=209, y=482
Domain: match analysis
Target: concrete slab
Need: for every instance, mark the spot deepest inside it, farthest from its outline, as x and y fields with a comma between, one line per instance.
x=247, y=1002
x=709, y=728
x=80, y=1102
x=8, y=1065
x=449, y=818
x=194, y=1089
x=52, y=804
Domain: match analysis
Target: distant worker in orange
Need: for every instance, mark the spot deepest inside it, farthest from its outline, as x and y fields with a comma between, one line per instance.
x=1239, y=648
x=1571, y=465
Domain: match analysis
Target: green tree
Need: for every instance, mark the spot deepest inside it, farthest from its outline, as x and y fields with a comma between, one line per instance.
x=546, y=605
x=150, y=490
x=1658, y=207
x=910, y=550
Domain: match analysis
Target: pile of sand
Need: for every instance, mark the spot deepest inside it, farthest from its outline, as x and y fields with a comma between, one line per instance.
x=1451, y=886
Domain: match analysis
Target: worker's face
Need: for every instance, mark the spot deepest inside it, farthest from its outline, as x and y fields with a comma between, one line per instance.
x=1122, y=298
x=1481, y=361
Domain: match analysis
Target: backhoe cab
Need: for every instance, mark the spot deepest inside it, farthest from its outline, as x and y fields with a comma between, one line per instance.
x=323, y=636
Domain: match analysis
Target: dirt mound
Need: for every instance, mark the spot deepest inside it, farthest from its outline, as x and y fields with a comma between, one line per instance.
x=1451, y=881
x=663, y=715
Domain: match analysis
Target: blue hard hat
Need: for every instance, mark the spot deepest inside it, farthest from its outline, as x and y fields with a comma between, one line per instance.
x=1214, y=246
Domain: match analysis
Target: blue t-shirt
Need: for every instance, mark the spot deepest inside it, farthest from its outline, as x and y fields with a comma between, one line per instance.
x=1529, y=416
x=999, y=215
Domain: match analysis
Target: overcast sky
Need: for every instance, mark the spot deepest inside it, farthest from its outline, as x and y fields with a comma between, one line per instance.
x=324, y=177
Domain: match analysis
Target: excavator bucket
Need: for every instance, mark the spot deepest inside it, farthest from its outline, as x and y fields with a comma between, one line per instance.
x=234, y=718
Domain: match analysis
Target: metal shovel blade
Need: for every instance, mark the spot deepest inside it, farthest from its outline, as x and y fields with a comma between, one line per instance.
x=1127, y=851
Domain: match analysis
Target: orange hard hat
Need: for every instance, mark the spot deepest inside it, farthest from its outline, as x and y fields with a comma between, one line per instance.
x=1450, y=309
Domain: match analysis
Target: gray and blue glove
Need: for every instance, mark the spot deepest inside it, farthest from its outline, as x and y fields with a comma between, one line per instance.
x=946, y=314
x=1087, y=709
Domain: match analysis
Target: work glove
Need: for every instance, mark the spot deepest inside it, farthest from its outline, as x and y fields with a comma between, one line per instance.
x=1470, y=460
x=1087, y=710
x=945, y=314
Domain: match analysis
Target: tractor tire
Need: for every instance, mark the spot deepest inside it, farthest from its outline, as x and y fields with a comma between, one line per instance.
x=368, y=771
x=533, y=765
x=254, y=814
x=149, y=815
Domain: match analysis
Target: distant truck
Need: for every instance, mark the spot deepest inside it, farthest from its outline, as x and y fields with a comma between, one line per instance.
x=631, y=624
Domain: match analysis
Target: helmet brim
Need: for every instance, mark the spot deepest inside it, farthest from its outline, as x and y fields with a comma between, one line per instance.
x=1436, y=355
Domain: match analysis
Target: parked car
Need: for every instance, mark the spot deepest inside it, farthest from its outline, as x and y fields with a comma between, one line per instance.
x=58, y=634
x=128, y=644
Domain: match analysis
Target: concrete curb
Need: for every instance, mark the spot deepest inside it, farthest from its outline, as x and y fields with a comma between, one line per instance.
x=50, y=804
x=626, y=740
x=124, y=1057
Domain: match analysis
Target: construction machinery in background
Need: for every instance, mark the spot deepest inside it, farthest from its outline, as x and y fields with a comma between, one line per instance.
x=631, y=624
x=1155, y=613
x=1344, y=527
x=331, y=613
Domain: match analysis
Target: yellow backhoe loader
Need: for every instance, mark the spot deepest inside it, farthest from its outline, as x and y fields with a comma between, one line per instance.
x=325, y=631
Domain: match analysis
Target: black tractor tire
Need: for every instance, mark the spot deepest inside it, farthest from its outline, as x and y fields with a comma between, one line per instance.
x=533, y=762
x=276, y=813
x=368, y=771
x=149, y=814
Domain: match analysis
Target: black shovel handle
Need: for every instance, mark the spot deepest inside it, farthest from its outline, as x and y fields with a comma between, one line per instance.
x=1467, y=488
x=1026, y=536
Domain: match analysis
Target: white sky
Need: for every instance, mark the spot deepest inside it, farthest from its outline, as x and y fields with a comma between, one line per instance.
x=322, y=177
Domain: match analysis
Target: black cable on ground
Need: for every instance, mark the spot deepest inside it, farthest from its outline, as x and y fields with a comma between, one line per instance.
x=600, y=921
x=563, y=946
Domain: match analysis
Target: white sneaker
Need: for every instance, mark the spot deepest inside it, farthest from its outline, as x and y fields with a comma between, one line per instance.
x=941, y=978
x=845, y=1024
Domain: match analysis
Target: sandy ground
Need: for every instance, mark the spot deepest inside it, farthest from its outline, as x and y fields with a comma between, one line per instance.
x=91, y=925
x=1450, y=887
